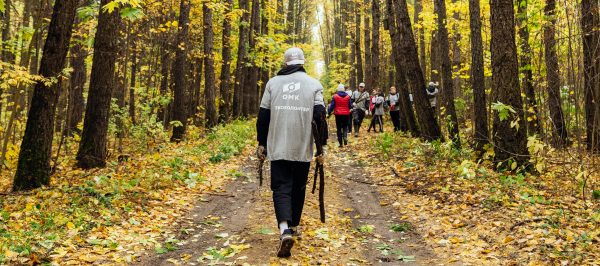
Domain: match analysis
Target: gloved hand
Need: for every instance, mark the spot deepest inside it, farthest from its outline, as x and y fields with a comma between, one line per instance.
x=328, y=115
x=261, y=153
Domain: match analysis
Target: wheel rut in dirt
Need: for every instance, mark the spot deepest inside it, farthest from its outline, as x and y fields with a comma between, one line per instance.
x=214, y=221
x=237, y=225
x=387, y=238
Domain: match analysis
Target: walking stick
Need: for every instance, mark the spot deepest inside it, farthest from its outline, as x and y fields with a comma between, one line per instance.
x=319, y=170
x=261, y=162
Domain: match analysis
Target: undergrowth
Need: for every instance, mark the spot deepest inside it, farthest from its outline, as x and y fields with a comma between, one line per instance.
x=34, y=224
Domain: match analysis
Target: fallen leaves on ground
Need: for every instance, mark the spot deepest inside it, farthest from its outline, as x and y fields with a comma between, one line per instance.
x=110, y=215
x=471, y=214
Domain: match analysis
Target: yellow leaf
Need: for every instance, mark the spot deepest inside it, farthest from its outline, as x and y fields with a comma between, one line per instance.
x=70, y=225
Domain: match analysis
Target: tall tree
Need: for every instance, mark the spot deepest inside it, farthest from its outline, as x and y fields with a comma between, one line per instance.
x=376, y=12
x=238, y=92
x=509, y=135
x=209, y=69
x=434, y=53
x=456, y=53
x=590, y=21
x=447, y=81
x=7, y=56
x=421, y=35
x=290, y=22
x=179, y=72
x=251, y=81
x=559, y=128
x=133, y=79
x=368, y=55
x=408, y=115
x=76, y=84
x=93, y=148
x=429, y=127
x=480, y=118
x=225, y=86
x=358, y=43
x=531, y=114
x=33, y=169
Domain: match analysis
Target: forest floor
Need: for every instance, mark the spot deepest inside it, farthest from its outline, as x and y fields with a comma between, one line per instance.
x=390, y=199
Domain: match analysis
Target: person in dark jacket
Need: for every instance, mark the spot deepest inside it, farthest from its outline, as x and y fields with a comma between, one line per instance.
x=340, y=106
x=291, y=102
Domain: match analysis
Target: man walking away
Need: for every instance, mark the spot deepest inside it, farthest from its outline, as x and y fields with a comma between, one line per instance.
x=291, y=102
x=378, y=110
x=340, y=106
x=393, y=100
x=360, y=99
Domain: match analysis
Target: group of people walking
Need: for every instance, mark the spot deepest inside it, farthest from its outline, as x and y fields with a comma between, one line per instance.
x=351, y=107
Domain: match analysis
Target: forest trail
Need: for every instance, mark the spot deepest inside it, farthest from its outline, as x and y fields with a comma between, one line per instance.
x=237, y=227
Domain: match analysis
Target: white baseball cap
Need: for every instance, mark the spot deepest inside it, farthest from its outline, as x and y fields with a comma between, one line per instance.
x=294, y=56
x=341, y=87
x=362, y=84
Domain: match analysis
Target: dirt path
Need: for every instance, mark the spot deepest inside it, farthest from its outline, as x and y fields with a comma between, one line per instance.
x=237, y=226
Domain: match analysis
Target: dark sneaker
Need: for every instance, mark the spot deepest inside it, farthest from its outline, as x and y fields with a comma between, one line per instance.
x=356, y=134
x=345, y=141
x=286, y=242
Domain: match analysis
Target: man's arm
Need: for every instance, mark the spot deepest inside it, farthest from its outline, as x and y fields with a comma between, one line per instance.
x=331, y=106
x=319, y=115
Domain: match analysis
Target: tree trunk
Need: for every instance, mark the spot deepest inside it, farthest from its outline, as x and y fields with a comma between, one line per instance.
x=559, y=129
x=7, y=56
x=531, y=114
x=429, y=128
x=408, y=115
x=77, y=82
x=368, y=57
x=376, y=9
x=238, y=93
x=434, y=54
x=590, y=21
x=352, y=60
x=134, y=67
x=290, y=20
x=225, y=86
x=33, y=169
x=447, y=93
x=421, y=35
x=510, y=142
x=357, y=45
x=93, y=146
x=251, y=80
x=179, y=73
x=209, y=69
x=456, y=53
x=480, y=118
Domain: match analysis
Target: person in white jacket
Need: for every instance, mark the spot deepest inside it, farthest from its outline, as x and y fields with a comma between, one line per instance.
x=432, y=91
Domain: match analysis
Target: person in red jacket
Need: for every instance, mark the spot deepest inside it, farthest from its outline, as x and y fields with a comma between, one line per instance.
x=341, y=105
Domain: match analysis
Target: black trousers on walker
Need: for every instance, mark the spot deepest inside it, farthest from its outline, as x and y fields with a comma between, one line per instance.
x=341, y=123
x=395, y=115
x=288, y=183
x=357, y=118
